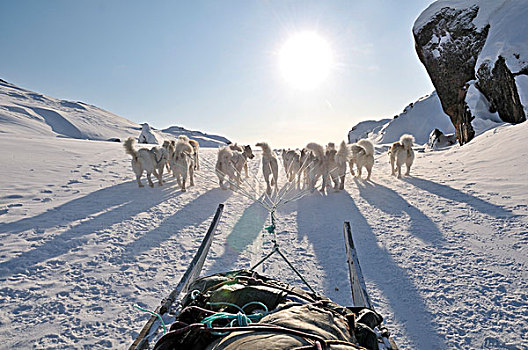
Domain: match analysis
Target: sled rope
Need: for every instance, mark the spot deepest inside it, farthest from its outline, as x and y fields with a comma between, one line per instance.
x=154, y=314
x=240, y=319
x=276, y=249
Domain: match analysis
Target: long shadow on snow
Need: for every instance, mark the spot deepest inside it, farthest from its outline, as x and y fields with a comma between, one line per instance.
x=115, y=204
x=459, y=196
x=390, y=202
x=192, y=214
x=320, y=219
x=93, y=203
x=244, y=233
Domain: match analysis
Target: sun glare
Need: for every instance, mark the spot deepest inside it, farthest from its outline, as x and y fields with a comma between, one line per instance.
x=305, y=60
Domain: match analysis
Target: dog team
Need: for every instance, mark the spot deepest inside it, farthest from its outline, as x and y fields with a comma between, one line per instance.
x=313, y=163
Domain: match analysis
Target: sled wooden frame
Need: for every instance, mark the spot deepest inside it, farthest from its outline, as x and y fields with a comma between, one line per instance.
x=360, y=296
x=190, y=275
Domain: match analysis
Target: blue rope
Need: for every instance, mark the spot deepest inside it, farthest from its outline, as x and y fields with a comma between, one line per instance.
x=240, y=319
x=154, y=314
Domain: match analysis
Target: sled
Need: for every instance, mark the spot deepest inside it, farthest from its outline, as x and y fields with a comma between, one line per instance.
x=245, y=310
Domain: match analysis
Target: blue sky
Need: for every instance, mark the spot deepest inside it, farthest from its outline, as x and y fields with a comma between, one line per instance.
x=213, y=65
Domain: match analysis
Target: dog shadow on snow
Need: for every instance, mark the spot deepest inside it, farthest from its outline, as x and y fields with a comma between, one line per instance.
x=244, y=233
x=101, y=210
x=458, y=196
x=320, y=219
x=391, y=203
x=192, y=214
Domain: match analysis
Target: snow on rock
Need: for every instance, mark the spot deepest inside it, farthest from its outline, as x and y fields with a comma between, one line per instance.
x=418, y=119
x=476, y=43
x=205, y=140
x=147, y=135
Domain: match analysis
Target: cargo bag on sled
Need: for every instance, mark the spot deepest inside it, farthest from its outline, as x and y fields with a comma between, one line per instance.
x=244, y=310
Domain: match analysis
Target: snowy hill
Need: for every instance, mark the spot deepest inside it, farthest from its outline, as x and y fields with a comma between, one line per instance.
x=418, y=119
x=443, y=251
x=24, y=112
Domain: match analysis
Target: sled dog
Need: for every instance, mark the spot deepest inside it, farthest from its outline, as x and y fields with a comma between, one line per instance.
x=224, y=168
x=337, y=164
x=361, y=154
x=400, y=153
x=169, y=146
x=291, y=160
x=145, y=159
x=239, y=160
x=196, y=147
x=316, y=165
x=270, y=166
x=182, y=163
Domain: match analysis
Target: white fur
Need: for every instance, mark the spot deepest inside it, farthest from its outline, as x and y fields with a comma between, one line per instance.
x=270, y=166
x=337, y=171
x=316, y=166
x=400, y=153
x=361, y=154
x=239, y=161
x=145, y=159
x=291, y=159
x=224, y=167
x=182, y=163
x=196, y=147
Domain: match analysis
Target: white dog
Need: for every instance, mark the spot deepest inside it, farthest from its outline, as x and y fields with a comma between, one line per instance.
x=337, y=164
x=182, y=163
x=196, y=147
x=291, y=159
x=270, y=166
x=224, y=168
x=145, y=159
x=361, y=154
x=400, y=153
x=315, y=165
x=239, y=161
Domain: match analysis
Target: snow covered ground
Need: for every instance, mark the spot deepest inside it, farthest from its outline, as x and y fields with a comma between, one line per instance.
x=444, y=251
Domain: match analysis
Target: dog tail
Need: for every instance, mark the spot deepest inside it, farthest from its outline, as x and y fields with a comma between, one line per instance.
x=317, y=149
x=265, y=147
x=368, y=146
x=407, y=141
x=182, y=147
x=194, y=144
x=129, y=147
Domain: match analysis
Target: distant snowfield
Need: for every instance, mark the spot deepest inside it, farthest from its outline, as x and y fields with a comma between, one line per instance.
x=444, y=252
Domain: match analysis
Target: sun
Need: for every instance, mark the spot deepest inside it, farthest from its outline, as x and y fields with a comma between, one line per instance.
x=305, y=60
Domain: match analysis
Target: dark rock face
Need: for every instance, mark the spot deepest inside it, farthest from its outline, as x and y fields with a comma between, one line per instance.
x=449, y=46
x=498, y=85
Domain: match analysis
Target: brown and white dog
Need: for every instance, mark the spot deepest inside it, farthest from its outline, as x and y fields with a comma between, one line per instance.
x=144, y=159
x=361, y=154
x=270, y=166
x=400, y=153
